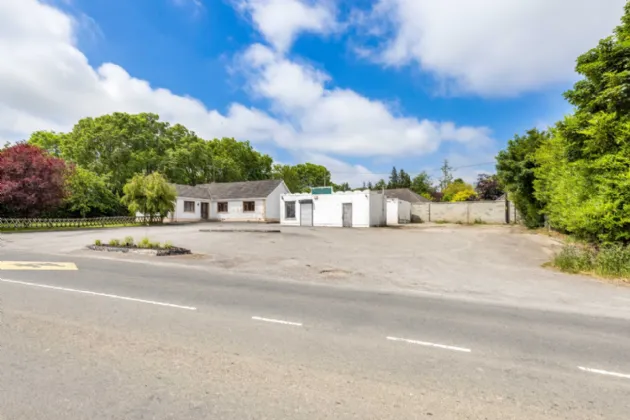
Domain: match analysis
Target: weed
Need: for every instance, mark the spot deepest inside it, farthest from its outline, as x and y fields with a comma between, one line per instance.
x=154, y=245
x=114, y=242
x=128, y=241
x=98, y=242
x=167, y=245
x=613, y=261
x=144, y=243
x=478, y=221
x=440, y=222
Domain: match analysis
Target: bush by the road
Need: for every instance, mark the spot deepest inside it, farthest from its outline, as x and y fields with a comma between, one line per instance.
x=608, y=261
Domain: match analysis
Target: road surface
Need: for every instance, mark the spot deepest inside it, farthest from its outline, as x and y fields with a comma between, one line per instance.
x=120, y=340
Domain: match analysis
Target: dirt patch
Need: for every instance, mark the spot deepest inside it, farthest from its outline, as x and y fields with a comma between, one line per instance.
x=142, y=251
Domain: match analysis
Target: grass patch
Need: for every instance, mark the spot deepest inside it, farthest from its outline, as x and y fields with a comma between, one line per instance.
x=611, y=261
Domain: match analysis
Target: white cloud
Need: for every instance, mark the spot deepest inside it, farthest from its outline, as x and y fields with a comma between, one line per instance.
x=280, y=21
x=341, y=121
x=492, y=47
x=47, y=83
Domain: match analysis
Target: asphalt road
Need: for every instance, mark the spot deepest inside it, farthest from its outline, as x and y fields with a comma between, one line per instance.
x=119, y=340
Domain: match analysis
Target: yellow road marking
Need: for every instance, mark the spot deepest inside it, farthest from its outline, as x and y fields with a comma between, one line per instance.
x=36, y=265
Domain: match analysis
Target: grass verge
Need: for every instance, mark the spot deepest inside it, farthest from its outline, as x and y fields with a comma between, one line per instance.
x=612, y=261
x=65, y=228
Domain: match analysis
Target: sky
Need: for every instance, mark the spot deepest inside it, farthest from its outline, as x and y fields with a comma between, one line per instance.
x=358, y=86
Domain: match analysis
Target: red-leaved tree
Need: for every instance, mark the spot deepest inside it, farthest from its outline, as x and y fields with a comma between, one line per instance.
x=32, y=182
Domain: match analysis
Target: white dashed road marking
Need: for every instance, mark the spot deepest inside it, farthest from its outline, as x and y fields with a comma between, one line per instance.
x=277, y=321
x=426, y=344
x=87, y=292
x=603, y=372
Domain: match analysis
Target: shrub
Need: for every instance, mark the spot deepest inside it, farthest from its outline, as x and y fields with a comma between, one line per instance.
x=98, y=242
x=128, y=241
x=114, y=242
x=154, y=245
x=167, y=245
x=144, y=243
x=614, y=261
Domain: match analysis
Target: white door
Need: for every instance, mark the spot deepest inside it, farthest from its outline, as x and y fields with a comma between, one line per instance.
x=306, y=213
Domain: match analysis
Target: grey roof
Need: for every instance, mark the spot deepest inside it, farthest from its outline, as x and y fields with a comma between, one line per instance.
x=406, y=194
x=188, y=191
x=245, y=189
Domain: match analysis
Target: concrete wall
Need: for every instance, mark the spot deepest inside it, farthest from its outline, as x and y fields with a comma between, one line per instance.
x=493, y=212
x=272, y=203
x=181, y=216
x=235, y=211
x=378, y=209
x=328, y=208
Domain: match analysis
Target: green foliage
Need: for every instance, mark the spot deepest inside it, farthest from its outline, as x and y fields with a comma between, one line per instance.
x=150, y=195
x=394, y=179
x=168, y=245
x=458, y=190
x=128, y=241
x=516, y=170
x=114, y=242
x=584, y=173
x=465, y=195
x=575, y=259
x=144, y=243
x=608, y=261
x=423, y=185
x=154, y=245
x=89, y=194
x=98, y=242
x=380, y=185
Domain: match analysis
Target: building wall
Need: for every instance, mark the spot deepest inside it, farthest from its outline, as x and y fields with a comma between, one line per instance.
x=404, y=211
x=398, y=211
x=235, y=211
x=181, y=216
x=378, y=209
x=328, y=208
x=493, y=212
x=272, y=209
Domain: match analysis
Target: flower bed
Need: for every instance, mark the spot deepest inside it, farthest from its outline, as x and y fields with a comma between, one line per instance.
x=136, y=250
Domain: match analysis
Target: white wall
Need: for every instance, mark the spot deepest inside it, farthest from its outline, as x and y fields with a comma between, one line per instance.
x=404, y=211
x=235, y=211
x=272, y=210
x=378, y=209
x=181, y=216
x=328, y=208
x=392, y=211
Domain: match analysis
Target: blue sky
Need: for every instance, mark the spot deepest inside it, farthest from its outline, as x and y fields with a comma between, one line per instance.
x=358, y=86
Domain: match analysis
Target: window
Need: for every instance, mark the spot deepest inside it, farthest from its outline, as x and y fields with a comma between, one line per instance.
x=249, y=206
x=222, y=208
x=189, y=206
x=289, y=210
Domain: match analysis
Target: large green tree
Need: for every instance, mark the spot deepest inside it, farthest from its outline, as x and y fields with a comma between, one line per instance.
x=516, y=167
x=584, y=170
x=89, y=195
x=422, y=184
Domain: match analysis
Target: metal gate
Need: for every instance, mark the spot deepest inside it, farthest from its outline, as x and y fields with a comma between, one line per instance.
x=306, y=213
x=347, y=215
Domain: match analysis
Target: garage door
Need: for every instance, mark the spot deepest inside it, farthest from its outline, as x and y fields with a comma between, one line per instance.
x=306, y=213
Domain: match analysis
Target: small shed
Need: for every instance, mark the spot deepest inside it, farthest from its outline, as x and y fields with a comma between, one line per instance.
x=398, y=212
x=339, y=209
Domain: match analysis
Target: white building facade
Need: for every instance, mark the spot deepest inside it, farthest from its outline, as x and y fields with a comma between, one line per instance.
x=340, y=209
x=249, y=201
x=398, y=212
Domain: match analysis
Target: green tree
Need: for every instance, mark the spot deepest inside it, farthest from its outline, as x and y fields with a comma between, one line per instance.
x=312, y=175
x=380, y=185
x=89, y=194
x=289, y=175
x=584, y=173
x=516, y=169
x=150, y=195
x=456, y=187
x=394, y=179
x=422, y=184
x=370, y=186
x=447, y=176
x=191, y=159
x=404, y=180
